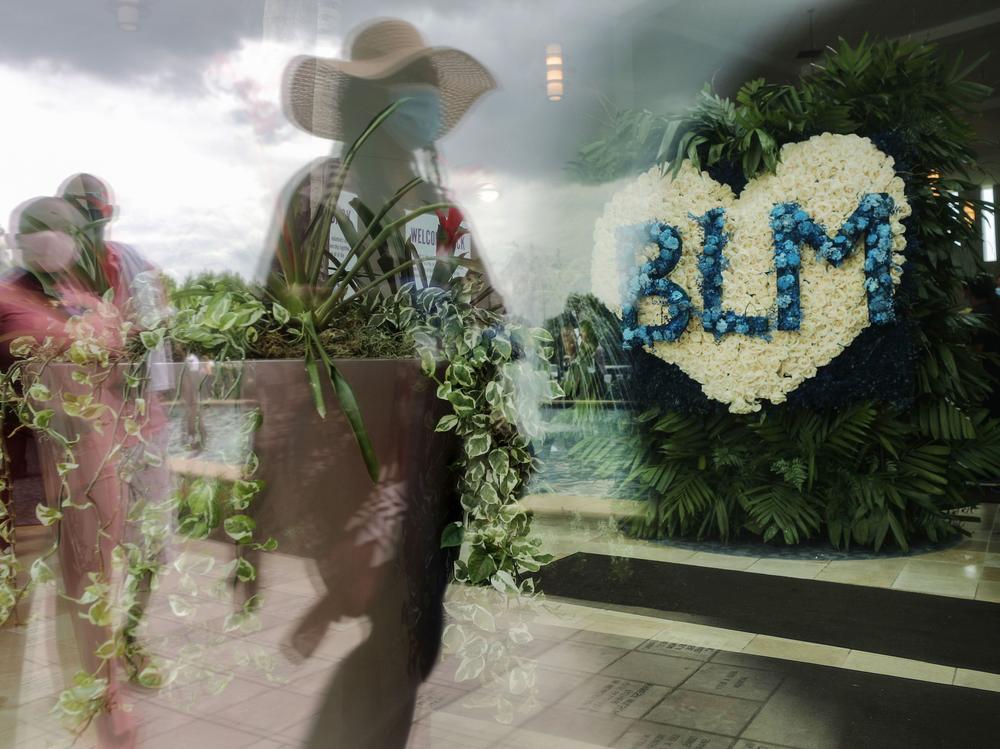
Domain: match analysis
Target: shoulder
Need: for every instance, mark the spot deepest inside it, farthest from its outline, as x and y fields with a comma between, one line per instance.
x=17, y=278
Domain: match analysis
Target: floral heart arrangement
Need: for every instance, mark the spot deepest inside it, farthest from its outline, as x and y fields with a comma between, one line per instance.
x=749, y=296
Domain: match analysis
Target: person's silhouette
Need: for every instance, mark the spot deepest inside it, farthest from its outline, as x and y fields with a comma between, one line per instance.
x=381, y=554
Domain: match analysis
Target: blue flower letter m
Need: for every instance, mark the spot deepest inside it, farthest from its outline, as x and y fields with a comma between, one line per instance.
x=793, y=227
x=650, y=280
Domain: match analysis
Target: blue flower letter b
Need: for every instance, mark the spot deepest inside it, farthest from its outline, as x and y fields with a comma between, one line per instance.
x=650, y=280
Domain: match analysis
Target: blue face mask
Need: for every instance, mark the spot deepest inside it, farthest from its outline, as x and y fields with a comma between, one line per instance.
x=417, y=120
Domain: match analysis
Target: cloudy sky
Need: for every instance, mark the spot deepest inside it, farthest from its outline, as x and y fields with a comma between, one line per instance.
x=183, y=117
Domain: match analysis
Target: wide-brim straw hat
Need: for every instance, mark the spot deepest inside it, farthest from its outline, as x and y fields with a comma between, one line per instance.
x=313, y=87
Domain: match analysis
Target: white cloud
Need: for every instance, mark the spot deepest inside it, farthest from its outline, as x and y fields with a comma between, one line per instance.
x=196, y=174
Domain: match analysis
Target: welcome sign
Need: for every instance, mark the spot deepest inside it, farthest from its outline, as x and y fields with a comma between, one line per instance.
x=749, y=296
x=421, y=231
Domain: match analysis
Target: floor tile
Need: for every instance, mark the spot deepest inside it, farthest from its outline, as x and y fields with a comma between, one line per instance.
x=580, y=656
x=990, y=574
x=647, y=735
x=734, y=681
x=704, y=636
x=970, y=552
x=796, y=650
x=859, y=573
x=721, y=561
x=268, y=744
x=594, y=728
x=447, y=731
x=312, y=682
x=660, y=553
x=486, y=705
x=271, y=711
x=710, y=713
x=796, y=717
x=620, y=623
x=625, y=642
x=891, y=666
x=434, y=697
x=199, y=733
x=681, y=650
x=788, y=567
x=977, y=679
x=649, y=667
x=523, y=738
x=552, y=684
x=550, y=631
x=988, y=591
x=950, y=570
x=613, y=696
x=954, y=587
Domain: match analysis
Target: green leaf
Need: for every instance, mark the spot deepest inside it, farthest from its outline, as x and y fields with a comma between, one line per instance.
x=240, y=528
x=470, y=668
x=47, y=515
x=315, y=386
x=39, y=392
x=41, y=573
x=151, y=339
x=481, y=566
x=428, y=362
x=245, y=571
x=452, y=535
x=446, y=423
x=281, y=315
x=477, y=444
x=464, y=405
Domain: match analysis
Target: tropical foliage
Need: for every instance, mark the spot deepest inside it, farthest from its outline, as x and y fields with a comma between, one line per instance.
x=874, y=471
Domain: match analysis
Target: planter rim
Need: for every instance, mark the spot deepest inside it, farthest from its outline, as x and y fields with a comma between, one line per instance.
x=230, y=361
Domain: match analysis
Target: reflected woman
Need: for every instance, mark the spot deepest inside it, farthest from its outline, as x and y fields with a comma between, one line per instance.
x=376, y=547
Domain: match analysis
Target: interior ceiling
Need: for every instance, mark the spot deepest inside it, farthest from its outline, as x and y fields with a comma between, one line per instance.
x=732, y=41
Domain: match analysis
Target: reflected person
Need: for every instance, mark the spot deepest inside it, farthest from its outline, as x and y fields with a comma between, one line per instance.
x=377, y=548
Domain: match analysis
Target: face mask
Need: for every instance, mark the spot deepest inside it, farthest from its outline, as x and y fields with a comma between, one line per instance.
x=416, y=121
x=50, y=251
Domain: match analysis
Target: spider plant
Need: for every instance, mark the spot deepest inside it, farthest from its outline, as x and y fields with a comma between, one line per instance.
x=310, y=299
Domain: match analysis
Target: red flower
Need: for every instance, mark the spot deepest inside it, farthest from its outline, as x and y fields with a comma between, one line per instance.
x=450, y=231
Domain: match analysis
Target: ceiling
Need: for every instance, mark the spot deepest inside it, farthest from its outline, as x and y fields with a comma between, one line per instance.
x=676, y=46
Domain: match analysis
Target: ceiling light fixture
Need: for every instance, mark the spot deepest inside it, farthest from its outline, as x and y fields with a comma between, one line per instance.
x=488, y=192
x=554, y=88
x=128, y=13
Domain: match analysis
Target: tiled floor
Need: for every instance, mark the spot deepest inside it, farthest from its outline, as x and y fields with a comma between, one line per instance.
x=602, y=677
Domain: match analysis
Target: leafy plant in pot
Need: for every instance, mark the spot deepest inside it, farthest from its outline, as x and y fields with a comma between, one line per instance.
x=429, y=435
x=448, y=396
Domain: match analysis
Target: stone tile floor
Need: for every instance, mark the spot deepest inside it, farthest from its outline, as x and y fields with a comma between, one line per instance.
x=602, y=678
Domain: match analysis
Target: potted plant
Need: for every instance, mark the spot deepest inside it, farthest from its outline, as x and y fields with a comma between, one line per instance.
x=363, y=488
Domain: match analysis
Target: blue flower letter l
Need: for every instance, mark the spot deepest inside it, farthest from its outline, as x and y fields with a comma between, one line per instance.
x=793, y=227
x=650, y=280
x=711, y=263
